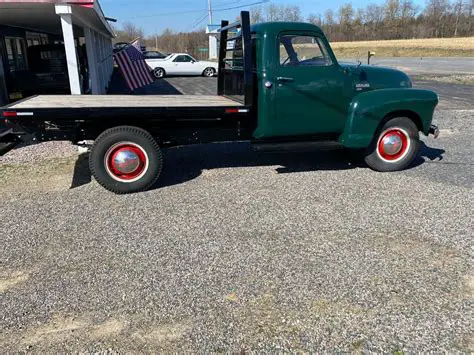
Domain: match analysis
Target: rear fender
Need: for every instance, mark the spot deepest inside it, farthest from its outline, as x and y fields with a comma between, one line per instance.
x=370, y=109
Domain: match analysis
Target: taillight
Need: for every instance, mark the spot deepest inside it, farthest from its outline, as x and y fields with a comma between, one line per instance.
x=9, y=114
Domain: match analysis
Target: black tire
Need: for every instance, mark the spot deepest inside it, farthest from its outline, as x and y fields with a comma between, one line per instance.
x=209, y=72
x=377, y=157
x=158, y=73
x=111, y=142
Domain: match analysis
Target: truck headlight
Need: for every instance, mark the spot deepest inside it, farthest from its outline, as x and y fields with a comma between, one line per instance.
x=406, y=83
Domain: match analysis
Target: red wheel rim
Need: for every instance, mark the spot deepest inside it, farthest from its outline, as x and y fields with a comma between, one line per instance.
x=126, y=162
x=393, y=144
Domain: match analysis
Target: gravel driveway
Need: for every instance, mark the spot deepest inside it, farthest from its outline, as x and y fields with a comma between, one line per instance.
x=240, y=251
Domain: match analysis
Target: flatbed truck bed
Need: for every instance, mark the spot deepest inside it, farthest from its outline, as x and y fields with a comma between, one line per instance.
x=122, y=101
x=68, y=110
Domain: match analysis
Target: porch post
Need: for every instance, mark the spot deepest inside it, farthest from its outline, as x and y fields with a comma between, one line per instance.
x=65, y=12
x=92, y=60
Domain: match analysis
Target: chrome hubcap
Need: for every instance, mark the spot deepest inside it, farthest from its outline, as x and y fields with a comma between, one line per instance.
x=392, y=144
x=126, y=161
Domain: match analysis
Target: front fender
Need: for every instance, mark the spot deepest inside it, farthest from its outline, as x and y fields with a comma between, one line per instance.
x=369, y=109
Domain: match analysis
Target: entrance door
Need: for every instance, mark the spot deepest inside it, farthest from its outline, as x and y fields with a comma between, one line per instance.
x=309, y=87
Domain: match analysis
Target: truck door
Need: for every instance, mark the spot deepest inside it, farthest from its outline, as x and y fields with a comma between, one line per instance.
x=309, y=87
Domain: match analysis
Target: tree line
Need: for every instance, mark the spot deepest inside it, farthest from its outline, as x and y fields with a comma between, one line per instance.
x=395, y=19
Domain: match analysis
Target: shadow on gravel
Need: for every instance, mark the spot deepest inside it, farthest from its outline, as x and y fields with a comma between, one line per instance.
x=82, y=174
x=187, y=163
x=428, y=153
x=184, y=164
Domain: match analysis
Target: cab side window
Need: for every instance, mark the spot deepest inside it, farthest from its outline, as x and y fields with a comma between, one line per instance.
x=302, y=50
x=183, y=59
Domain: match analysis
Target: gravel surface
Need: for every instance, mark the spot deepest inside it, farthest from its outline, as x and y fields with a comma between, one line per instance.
x=240, y=251
x=30, y=153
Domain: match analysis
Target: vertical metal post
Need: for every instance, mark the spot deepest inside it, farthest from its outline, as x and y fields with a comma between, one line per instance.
x=247, y=54
x=222, y=48
x=210, y=11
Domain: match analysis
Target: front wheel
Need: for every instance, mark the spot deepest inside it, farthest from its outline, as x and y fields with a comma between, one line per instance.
x=209, y=72
x=395, y=146
x=126, y=159
x=158, y=73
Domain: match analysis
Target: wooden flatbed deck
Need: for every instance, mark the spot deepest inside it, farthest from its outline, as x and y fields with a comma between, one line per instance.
x=123, y=101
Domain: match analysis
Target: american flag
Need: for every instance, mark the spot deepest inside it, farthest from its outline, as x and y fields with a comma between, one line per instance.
x=133, y=66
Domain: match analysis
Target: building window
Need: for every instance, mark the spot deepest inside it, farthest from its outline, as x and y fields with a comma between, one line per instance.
x=35, y=38
x=16, y=54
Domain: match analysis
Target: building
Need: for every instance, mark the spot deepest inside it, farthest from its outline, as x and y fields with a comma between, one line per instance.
x=213, y=32
x=78, y=27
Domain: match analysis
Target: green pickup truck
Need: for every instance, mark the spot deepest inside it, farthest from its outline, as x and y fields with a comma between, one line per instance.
x=277, y=83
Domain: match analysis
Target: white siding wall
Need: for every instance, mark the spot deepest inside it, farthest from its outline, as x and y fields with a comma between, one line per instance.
x=99, y=53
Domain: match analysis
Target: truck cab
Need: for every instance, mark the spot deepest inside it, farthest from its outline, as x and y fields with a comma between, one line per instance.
x=305, y=91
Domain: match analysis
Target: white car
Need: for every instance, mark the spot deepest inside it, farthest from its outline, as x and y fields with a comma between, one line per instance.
x=181, y=64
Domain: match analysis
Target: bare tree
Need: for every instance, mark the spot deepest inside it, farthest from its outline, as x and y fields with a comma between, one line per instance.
x=272, y=12
x=256, y=16
x=436, y=15
x=329, y=22
x=292, y=14
x=130, y=32
x=391, y=20
x=346, y=14
x=315, y=19
x=457, y=9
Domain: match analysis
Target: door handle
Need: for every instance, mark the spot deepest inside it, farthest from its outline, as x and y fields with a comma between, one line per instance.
x=284, y=79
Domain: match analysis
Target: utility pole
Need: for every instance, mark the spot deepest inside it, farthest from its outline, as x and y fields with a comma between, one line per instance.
x=210, y=11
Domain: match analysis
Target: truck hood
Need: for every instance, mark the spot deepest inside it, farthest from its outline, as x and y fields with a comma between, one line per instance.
x=369, y=77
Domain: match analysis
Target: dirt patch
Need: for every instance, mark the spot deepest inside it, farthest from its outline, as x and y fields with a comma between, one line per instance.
x=45, y=176
x=163, y=334
x=10, y=280
x=58, y=330
x=109, y=328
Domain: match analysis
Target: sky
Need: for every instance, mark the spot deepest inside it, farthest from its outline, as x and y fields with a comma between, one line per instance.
x=188, y=15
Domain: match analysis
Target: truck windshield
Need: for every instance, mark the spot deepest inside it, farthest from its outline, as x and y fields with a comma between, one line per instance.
x=303, y=50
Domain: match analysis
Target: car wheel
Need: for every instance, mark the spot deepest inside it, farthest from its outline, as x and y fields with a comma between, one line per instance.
x=209, y=72
x=158, y=73
x=395, y=146
x=125, y=159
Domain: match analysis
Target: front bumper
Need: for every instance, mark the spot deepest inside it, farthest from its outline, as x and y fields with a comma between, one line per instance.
x=434, y=130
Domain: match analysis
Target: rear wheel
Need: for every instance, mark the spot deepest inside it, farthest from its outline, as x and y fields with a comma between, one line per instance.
x=209, y=72
x=125, y=159
x=395, y=146
x=158, y=73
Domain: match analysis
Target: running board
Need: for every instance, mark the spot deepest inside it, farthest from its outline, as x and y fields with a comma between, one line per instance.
x=303, y=145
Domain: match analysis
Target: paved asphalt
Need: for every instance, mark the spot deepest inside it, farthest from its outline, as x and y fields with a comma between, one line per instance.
x=239, y=251
x=429, y=65
x=452, y=96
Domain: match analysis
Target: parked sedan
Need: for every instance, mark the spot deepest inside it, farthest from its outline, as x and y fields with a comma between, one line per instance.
x=154, y=55
x=181, y=64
